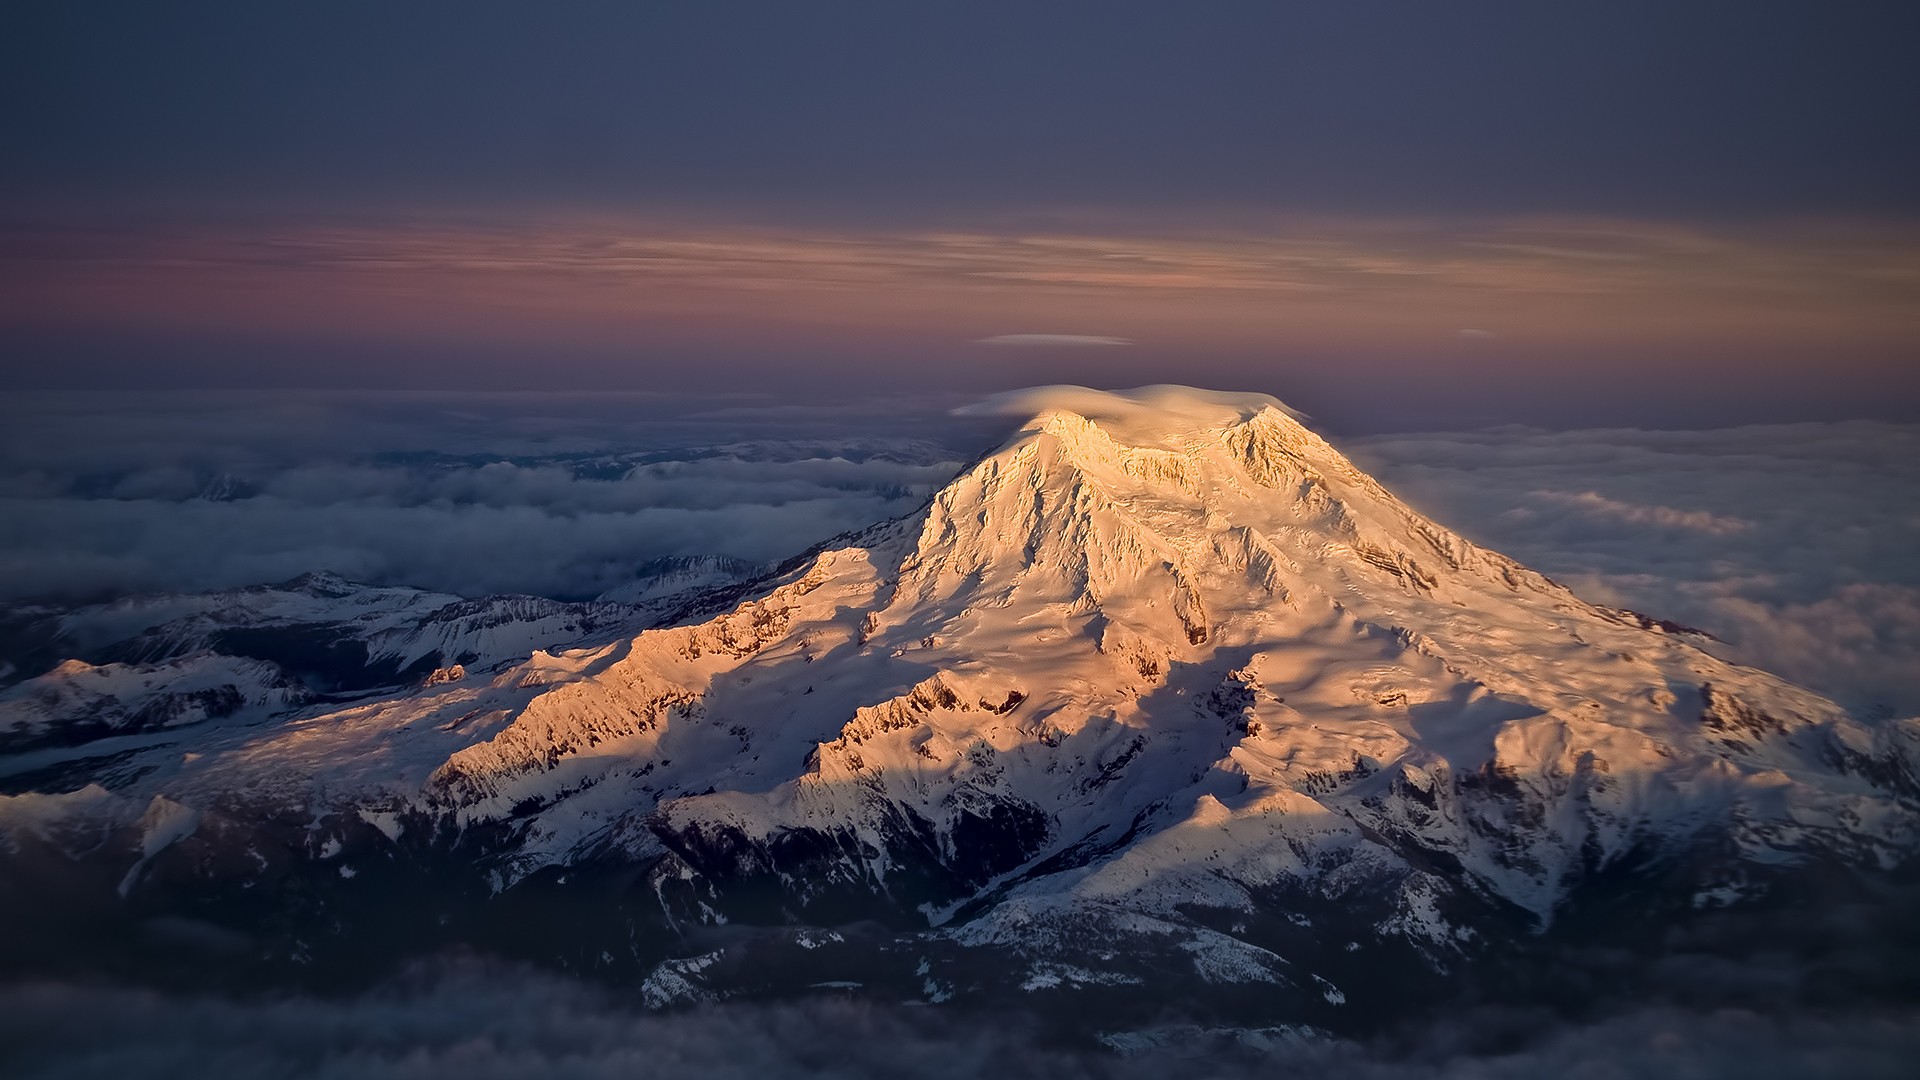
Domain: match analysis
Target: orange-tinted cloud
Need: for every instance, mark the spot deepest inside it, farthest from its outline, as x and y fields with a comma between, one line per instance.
x=1519, y=284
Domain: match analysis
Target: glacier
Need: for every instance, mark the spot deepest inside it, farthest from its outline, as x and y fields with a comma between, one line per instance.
x=1160, y=699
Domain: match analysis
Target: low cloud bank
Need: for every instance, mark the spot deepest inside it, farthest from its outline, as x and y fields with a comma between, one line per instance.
x=478, y=1024
x=555, y=543
x=554, y=495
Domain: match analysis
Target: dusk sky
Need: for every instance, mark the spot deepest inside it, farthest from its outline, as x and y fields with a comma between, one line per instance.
x=1397, y=215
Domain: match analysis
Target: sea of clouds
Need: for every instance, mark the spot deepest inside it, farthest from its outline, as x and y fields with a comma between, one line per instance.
x=554, y=495
x=481, y=1022
x=1793, y=543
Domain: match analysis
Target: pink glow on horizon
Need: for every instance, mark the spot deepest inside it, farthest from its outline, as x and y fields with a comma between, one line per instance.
x=1490, y=287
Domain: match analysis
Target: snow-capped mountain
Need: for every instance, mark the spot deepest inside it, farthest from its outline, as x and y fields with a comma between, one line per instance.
x=334, y=634
x=1162, y=691
x=672, y=576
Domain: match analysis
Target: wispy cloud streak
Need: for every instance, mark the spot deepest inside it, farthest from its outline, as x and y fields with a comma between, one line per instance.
x=1511, y=281
x=1053, y=341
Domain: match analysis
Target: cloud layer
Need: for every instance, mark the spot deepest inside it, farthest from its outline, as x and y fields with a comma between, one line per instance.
x=1525, y=283
x=1793, y=542
x=554, y=496
x=479, y=1023
x=1054, y=341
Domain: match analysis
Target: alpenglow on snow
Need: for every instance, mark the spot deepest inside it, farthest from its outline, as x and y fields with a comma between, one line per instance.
x=1163, y=692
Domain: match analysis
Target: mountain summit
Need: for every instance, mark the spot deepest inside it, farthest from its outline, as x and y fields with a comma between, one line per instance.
x=1162, y=688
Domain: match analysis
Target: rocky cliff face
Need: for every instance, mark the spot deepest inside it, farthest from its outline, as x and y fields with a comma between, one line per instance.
x=1162, y=689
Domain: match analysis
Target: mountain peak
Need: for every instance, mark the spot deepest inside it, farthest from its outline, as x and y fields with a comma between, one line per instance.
x=1163, y=675
x=1100, y=493
x=1146, y=415
x=1169, y=434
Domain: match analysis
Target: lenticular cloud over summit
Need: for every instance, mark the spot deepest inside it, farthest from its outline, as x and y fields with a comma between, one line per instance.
x=1147, y=409
x=1055, y=341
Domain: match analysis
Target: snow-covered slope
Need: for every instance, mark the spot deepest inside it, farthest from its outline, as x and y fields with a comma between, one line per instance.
x=1163, y=684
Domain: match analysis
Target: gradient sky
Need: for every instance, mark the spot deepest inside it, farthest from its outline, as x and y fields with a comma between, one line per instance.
x=1461, y=213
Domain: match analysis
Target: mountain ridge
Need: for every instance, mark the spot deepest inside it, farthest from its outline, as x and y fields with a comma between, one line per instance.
x=1129, y=682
